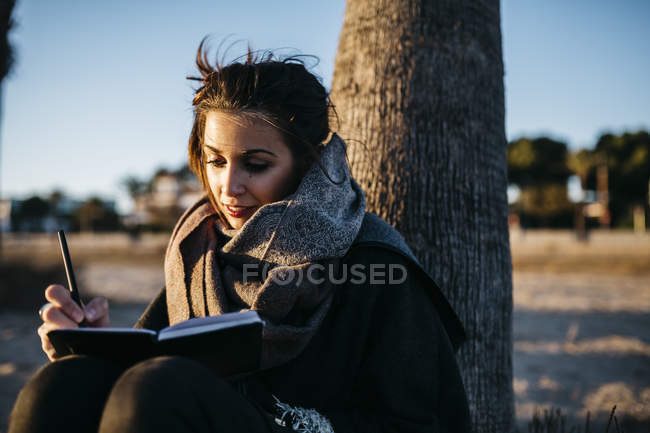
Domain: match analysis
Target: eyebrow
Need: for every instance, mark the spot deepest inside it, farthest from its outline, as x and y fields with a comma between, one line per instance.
x=244, y=153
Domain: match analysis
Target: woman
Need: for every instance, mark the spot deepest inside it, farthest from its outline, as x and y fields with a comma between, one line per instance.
x=349, y=345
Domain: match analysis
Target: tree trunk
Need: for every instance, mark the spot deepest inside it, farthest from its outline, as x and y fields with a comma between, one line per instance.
x=6, y=61
x=418, y=88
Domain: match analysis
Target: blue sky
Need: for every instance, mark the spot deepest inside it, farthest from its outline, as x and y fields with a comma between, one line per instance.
x=98, y=91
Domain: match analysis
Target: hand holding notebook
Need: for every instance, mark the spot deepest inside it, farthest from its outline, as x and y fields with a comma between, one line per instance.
x=64, y=308
x=229, y=343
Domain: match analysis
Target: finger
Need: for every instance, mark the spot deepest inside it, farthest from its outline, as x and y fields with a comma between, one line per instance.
x=42, y=309
x=56, y=318
x=60, y=297
x=49, y=350
x=42, y=331
x=97, y=310
x=45, y=328
x=46, y=344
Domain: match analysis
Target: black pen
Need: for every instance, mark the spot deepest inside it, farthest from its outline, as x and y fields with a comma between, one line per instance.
x=69, y=272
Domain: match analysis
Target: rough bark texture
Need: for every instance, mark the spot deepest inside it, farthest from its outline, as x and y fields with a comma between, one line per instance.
x=418, y=87
x=6, y=23
x=6, y=61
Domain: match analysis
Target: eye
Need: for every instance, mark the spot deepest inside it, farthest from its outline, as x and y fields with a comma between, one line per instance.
x=251, y=167
x=216, y=162
x=255, y=167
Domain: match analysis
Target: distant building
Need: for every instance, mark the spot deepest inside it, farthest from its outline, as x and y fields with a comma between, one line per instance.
x=170, y=194
x=5, y=215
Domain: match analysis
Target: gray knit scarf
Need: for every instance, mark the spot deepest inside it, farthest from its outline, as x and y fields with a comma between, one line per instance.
x=204, y=265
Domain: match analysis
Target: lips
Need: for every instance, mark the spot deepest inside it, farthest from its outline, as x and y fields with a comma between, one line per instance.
x=238, y=211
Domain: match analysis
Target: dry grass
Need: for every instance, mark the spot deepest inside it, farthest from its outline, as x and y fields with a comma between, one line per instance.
x=554, y=421
x=85, y=248
x=30, y=262
x=22, y=283
x=605, y=252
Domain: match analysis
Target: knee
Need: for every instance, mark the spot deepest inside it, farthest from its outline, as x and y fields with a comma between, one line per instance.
x=151, y=380
x=60, y=385
x=176, y=394
x=150, y=391
x=66, y=374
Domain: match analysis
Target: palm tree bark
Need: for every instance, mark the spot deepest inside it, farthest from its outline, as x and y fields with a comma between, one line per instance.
x=6, y=61
x=418, y=88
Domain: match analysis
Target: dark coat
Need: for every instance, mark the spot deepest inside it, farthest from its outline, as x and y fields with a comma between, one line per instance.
x=381, y=361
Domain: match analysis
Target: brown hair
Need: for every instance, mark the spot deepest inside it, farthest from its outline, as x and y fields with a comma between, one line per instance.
x=280, y=92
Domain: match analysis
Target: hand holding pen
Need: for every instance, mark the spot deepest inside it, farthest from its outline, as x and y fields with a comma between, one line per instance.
x=65, y=310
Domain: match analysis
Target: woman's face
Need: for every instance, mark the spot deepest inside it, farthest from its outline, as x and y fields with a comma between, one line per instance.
x=248, y=165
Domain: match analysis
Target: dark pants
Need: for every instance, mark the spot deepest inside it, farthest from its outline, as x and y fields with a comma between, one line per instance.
x=80, y=394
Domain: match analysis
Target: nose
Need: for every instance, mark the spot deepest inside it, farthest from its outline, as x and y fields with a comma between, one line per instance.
x=234, y=182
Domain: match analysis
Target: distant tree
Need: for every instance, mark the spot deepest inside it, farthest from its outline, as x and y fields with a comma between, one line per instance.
x=30, y=214
x=627, y=157
x=582, y=162
x=545, y=202
x=538, y=161
x=95, y=215
x=540, y=168
x=162, y=171
x=55, y=198
x=134, y=186
x=34, y=207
